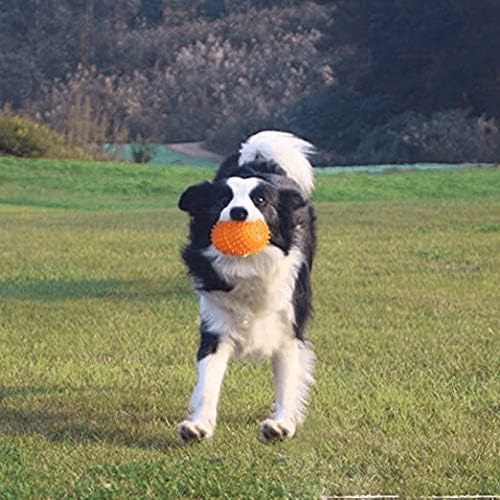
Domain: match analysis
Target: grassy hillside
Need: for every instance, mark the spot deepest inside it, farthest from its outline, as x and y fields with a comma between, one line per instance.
x=122, y=186
x=98, y=336
x=91, y=185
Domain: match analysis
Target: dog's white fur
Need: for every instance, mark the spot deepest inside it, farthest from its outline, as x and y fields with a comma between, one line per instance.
x=256, y=317
x=241, y=188
x=287, y=150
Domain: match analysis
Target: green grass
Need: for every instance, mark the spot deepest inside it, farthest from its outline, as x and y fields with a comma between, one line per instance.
x=127, y=186
x=415, y=185
x=93, y=186
x=98, y=336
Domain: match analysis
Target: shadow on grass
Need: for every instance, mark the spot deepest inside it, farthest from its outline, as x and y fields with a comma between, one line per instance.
x=80, y=427
x=141, y=289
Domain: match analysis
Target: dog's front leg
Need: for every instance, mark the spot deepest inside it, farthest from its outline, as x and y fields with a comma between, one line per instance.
x=292, y=370
x=212, y=363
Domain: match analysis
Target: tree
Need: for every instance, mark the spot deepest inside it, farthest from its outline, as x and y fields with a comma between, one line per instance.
x=37, y=41
x=435, y=55
x=151, y=11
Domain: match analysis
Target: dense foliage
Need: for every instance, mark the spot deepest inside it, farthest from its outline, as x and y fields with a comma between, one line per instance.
x=25, y=137
x=359, y=78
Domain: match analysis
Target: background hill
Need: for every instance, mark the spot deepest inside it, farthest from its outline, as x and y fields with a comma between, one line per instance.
x=383, y=81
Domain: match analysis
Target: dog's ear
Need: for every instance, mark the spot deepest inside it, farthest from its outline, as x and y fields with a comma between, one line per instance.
x=292, y=198
x=196, y=198
x=205, y=198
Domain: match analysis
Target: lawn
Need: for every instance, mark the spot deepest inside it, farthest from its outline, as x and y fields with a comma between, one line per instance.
x=98, y=337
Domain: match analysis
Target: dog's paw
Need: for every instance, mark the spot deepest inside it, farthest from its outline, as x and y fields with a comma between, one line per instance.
x=272, y=430
x=190, y=431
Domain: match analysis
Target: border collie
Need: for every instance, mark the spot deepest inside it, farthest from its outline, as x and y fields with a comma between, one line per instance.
x=259, y=304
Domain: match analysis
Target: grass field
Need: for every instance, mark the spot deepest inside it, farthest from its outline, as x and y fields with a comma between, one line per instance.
x=98, y=336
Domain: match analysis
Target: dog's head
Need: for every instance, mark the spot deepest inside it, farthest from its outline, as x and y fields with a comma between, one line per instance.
x=275, y=199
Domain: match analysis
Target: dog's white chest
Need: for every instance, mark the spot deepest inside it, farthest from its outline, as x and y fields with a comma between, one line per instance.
x=258, y=312
x=264, y=315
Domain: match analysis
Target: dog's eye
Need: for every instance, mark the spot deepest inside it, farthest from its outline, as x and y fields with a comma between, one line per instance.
x=262, y=196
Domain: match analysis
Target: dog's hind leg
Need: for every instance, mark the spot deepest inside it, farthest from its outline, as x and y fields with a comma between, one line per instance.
x=292, y=369
x=200, y=424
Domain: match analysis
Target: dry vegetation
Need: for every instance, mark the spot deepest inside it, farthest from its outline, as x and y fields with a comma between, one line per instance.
x=367, y=82
x=205, y=73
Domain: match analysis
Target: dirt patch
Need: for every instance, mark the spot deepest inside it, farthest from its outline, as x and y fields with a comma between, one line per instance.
x=194, y=150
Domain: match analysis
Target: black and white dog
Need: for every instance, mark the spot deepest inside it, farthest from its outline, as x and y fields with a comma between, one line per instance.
x=259, y=304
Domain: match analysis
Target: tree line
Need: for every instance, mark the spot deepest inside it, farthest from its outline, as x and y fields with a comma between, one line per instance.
x=368, y=81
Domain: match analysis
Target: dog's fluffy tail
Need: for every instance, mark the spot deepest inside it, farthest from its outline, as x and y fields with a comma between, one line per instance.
x=286, y=150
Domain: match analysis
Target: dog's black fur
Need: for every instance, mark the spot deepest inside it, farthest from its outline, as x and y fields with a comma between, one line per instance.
x=257, y=304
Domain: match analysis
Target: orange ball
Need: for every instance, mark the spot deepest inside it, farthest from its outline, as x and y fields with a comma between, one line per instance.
x=240, y=238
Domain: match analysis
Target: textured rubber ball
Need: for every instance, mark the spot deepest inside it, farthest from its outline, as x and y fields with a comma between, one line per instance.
x=240, y=238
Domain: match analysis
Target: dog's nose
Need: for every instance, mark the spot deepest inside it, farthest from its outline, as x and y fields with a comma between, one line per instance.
x=238, y=213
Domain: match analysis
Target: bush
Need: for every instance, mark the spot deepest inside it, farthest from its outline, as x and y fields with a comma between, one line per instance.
x=335, y=119
x=21, y=136
x=446, y=137
x=350, y=129
x=387, y=144
x=455, y=137
x=25, y=137
x=143, y=153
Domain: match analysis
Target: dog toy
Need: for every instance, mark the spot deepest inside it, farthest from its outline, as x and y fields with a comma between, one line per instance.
x=240, y=238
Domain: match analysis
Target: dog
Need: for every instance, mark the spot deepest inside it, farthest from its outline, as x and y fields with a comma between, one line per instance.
x=259, y=304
